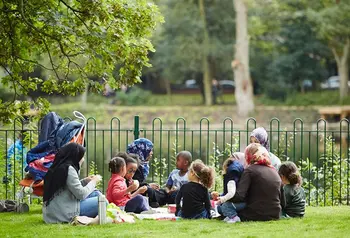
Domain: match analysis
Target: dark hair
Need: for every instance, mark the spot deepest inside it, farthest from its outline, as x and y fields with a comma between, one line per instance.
x=123, y=155
x=135, y=157
x=186, y=155
x=116, y=164
x=205, y=174
x=128, y=158
x=290, y=171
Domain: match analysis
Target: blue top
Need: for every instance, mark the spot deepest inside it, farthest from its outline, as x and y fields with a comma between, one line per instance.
x=176, y=180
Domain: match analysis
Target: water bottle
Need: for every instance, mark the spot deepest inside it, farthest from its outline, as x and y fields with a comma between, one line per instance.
x=102, y=209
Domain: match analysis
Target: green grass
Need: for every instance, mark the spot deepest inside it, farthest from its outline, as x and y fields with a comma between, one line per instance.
x=318, y=222
x=324, y=98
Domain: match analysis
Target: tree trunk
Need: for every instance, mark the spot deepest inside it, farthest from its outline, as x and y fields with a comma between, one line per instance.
x=243, y=83
x=168, y=89
x=84, y=96
x=205, y=64
x=343, y=69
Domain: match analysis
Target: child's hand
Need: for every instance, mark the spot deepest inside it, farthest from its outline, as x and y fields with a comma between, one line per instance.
x=173, y=189
x=215, y=195
x=132, y=187
x=136, y=182
x=142, y=190
x=218, y=202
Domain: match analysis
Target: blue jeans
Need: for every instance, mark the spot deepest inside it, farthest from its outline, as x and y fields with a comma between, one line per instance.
x=202, y=215
x=229, y=209
x=89, y=206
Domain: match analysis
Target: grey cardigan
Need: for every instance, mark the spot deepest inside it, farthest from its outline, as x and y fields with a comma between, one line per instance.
x=66, y=203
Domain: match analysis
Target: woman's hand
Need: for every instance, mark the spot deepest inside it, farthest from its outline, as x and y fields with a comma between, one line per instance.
x=142, y=190
x=97, y=178
x=214, y=195
x=154, y=186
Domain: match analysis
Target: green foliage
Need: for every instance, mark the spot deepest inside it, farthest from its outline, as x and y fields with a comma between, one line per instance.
x=326, y=183
x=159, y=168
x=73, y=40
x=180, y=44
x=136, y=96
x=218, y=157
x=301, y=56
x=93, y=171
x=284, y=145
x=330, y=19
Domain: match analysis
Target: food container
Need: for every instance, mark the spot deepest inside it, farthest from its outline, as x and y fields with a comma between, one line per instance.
x=172, y=208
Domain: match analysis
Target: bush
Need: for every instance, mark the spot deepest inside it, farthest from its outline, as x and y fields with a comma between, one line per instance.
x=136, y=96
x=328, y=184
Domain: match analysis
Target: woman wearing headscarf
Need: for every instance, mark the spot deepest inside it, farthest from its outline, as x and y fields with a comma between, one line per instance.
x=143, y=148
x=259, y=187
x=260, y=136
x=65, y=196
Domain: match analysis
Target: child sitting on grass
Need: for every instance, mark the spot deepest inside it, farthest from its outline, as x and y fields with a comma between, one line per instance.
x=194, y=194
x=232, y=172
x=293, y=195
x=118, y=192
x=178, y=176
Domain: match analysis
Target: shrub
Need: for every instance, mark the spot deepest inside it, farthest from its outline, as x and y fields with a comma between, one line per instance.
x=136, y=96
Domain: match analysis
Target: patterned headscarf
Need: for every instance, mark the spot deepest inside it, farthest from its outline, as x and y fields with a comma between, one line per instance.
x=142, y=147
x=261, y=135
x=260, y=157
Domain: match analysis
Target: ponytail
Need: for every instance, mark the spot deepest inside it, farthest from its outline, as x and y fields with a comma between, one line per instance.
x=205, y=174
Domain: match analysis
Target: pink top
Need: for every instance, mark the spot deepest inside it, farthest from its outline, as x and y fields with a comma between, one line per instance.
x=116, y=191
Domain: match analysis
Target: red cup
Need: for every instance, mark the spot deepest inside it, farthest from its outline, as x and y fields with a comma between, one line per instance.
x=171, y=208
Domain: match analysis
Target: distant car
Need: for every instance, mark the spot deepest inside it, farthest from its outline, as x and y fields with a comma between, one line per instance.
x=332, y=82
x=225, y=84
x=191, y=83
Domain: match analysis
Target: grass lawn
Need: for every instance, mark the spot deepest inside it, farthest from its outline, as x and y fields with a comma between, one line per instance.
x=319, y=222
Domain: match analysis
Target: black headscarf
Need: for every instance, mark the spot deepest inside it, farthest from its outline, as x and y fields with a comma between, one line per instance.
x=56, y=177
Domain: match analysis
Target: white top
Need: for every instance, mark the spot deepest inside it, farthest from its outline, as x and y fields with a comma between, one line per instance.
x=231, y=191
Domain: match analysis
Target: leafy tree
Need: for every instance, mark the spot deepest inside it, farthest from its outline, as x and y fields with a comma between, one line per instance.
x=180, y=42
x=80, y=38
x=301, y=56
x=331, y=20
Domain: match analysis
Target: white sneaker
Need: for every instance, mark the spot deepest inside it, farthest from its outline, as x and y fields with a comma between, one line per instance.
x=226, y=219
x=234, y=219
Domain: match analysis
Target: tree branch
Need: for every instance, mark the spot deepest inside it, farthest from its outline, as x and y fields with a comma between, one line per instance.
x=75, y=13
x=13, y=82
x=70, y=7
x=51, y=60
x=336, y=56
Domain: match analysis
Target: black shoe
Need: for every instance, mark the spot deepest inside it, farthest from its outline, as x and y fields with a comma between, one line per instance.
x=154, y=204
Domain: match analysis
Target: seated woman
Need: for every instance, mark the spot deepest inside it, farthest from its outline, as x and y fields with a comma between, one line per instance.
x=260, y=136
x=259, y=187
x=65, y=196
x=143, y=148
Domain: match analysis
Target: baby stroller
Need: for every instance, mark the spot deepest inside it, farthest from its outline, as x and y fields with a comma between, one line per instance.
x=54, y=133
